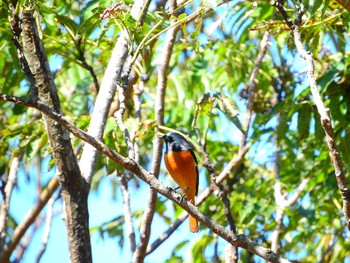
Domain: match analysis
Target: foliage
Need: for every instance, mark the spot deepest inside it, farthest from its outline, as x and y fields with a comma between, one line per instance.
x=214, y=54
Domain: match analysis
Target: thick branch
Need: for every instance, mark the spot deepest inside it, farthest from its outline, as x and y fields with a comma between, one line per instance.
x=149, y=178
x=106, y=94
x=103, y=103
x=43, y=87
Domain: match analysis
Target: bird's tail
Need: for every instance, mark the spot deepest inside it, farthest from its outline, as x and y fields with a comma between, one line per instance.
x=193, y=221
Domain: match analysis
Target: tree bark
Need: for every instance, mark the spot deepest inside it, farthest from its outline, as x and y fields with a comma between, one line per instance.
x=74, y=188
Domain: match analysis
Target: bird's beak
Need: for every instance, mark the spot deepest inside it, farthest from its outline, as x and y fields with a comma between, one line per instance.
x=161, y=135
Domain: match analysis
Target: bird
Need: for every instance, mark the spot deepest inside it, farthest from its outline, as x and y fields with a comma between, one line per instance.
x=181, y=163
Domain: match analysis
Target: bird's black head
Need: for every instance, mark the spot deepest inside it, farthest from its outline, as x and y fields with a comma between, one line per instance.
x=176, y=142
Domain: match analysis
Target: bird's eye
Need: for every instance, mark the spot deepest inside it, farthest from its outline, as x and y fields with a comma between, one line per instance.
x=170, y=139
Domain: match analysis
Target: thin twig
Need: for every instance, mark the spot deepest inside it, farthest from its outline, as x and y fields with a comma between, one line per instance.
x=127, y=211
x=251, y=86
x=88, y=67
x=218, y=189
x=10, y=183
x=119, y=119
x=138, y=90
x=47, y=229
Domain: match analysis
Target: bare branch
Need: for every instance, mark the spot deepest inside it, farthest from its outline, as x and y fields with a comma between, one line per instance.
x=324, y=114
x=127, y=211
x=10, y=183
x=301, y=188
x=149, y=178
x=74, y=188
x=231, y=255
x=283, y=203
x=88, y=67
x=251, y=85
x=106, y=95
x=138, y=90
x=47, y=229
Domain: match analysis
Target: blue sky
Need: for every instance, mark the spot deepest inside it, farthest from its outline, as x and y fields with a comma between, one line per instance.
x=102, y=209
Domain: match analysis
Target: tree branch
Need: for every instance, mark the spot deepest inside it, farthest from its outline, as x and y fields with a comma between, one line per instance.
x=283, y=203
x=74, y=189
x=145, y=230
x=119, y=119
x=345, y=4
x=149, y=178
x=127, y=211
x=233, y=164
x=30, y=218
x=10, y=183
x=251, y=85
x=106, y=95
x=47, y=229
x=281, y=199
x=324, y=115
x=89, y=68
x=220, y=191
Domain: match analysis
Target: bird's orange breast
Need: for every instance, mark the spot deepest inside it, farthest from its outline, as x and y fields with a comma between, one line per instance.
x=182, y=169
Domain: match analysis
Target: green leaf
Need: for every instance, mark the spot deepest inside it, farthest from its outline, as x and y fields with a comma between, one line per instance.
x=316, y=5
x=204, y=104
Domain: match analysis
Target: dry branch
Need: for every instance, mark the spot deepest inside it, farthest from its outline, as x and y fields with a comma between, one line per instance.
x=149, y=178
